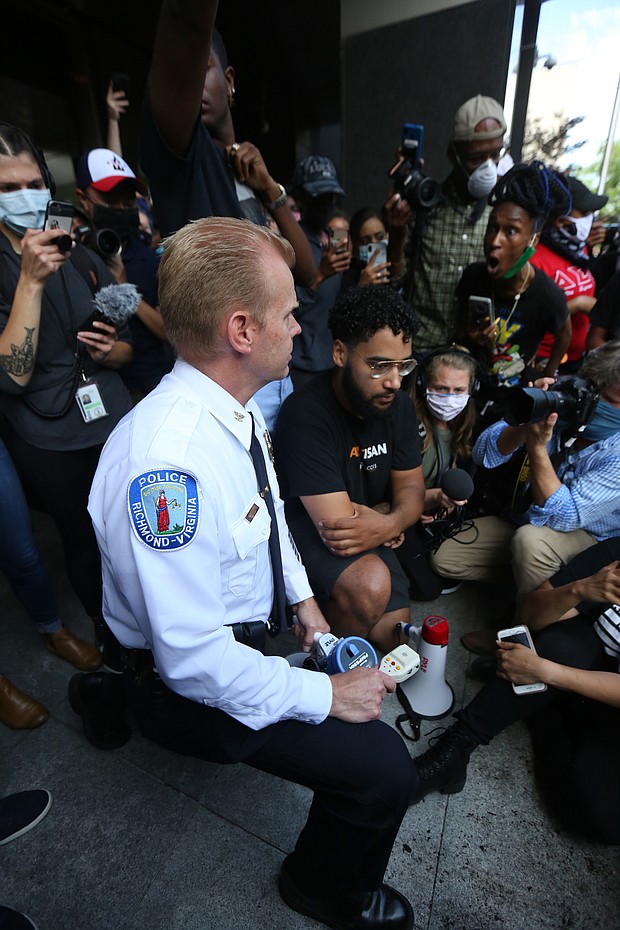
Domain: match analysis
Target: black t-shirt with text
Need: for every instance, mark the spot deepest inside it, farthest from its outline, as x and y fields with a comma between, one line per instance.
x=321, y=448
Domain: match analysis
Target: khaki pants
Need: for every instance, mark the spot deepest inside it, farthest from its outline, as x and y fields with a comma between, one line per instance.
x=534, y=553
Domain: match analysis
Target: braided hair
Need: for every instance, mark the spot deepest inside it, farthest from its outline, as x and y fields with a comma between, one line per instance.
x=536, y=189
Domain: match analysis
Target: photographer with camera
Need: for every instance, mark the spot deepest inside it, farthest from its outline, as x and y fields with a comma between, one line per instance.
x=575, y=501
x=447, y=237
x=107, y=193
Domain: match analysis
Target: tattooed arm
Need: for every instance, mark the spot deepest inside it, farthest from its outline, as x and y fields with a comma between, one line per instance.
x=20, y=337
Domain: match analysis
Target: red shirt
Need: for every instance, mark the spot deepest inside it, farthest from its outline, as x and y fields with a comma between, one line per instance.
x=575, y=282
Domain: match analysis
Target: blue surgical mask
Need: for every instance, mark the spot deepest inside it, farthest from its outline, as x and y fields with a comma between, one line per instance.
x=24, y=209
x=604, y=423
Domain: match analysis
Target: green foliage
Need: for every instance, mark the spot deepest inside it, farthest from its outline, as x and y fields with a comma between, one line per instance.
x=550, y=143
x=590, y=176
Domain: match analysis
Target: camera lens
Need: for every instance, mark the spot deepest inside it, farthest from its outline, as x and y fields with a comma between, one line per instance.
x=108, y=243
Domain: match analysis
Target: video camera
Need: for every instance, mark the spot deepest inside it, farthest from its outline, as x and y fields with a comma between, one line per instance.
x=573, y=399
x=420, y=191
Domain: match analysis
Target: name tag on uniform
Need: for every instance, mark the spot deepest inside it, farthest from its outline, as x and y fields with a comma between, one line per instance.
x=251, y=513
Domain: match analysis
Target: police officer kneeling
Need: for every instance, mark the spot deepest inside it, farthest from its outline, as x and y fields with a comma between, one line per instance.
x=183, y=527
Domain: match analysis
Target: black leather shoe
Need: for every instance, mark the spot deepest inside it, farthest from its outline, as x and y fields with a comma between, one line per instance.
x=99, y=700
x=443, y=767
x=383, y=909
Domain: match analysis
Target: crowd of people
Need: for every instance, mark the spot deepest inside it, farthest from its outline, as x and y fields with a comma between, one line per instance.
x=201, y=305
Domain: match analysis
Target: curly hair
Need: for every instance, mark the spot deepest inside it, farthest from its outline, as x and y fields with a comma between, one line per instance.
x=362, y=311
x=536, y=189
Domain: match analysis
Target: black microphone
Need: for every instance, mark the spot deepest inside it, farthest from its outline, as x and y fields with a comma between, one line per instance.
x=456, y=484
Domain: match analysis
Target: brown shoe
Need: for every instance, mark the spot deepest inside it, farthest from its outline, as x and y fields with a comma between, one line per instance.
x=65, y=644
x=480, y=642
x=18, y=709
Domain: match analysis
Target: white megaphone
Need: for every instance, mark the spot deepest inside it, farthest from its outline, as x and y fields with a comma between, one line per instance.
x=428, y=693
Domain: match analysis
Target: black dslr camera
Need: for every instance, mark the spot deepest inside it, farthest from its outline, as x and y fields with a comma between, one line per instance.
x=105, y=242
x=573, y=399
x=416, y=188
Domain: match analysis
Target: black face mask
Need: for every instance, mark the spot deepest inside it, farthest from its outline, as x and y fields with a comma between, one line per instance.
x=125, y=222
x=316, y=215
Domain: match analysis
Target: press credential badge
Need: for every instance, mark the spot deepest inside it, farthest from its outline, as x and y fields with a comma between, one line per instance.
x=90, y=403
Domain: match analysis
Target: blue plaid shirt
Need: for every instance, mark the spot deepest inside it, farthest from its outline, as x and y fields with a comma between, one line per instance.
x=589, y=498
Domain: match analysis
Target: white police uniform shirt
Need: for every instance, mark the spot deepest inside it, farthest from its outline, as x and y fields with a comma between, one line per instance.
x=184, y=536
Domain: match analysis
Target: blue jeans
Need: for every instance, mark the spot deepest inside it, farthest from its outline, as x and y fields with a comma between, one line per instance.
x=19, y=556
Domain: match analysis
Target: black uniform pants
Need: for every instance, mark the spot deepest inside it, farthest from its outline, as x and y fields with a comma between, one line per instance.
x=361, y=774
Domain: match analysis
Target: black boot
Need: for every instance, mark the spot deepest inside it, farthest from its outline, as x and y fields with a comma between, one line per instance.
x=443, y=767
x=99, y=699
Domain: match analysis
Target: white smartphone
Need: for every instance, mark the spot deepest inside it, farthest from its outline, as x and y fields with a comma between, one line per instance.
x=521, y=635
x=481, y=312
x=338, y=239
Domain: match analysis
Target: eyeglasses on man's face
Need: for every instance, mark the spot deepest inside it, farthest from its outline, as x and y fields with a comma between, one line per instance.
x=379, y=368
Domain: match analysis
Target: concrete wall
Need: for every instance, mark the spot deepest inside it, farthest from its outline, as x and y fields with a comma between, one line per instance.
x=418, y=70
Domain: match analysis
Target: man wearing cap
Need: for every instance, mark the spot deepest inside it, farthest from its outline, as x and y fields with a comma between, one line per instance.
x=316, y=189
x=563, y=255
x=107, y=192
x=447, y=238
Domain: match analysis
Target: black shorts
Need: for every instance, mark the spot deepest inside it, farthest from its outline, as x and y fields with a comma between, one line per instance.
x=324, y=568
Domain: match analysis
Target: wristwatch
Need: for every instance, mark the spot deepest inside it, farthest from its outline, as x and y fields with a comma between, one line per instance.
x=279, y=201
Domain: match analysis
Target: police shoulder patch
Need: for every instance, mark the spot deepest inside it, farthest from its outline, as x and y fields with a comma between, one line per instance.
x=164, y=508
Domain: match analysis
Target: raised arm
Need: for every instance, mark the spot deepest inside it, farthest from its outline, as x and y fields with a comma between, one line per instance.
x=178, y=68
x=19, y=340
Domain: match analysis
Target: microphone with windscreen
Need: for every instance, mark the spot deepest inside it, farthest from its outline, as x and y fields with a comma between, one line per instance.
x=456, y=484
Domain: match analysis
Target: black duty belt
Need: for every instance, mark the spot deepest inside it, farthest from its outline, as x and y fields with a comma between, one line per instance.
x=138, y=663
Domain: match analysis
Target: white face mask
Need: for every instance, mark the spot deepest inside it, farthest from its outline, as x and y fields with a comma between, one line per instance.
x=24, y=209
x=482, y=181
x=446, y=406
x=583, y=225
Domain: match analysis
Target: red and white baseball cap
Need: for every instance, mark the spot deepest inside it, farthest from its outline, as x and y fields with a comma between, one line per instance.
x=103, y=169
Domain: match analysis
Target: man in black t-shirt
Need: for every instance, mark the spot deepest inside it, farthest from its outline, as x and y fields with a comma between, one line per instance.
x=348, y=459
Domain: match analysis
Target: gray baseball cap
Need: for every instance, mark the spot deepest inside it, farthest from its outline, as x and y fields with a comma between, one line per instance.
x=316, y=174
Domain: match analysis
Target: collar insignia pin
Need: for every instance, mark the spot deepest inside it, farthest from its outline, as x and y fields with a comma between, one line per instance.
x=238, y=416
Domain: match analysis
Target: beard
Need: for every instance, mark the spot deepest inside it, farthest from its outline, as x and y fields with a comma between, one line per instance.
x=361, y=405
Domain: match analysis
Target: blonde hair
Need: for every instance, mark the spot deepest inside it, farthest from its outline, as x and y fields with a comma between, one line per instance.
x=208, y=267
x=462, y=426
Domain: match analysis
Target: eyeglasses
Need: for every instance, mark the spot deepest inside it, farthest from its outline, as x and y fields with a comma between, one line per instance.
x=379, y=369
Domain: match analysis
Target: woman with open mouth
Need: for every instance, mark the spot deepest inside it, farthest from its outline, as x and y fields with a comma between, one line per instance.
x=523, y=303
